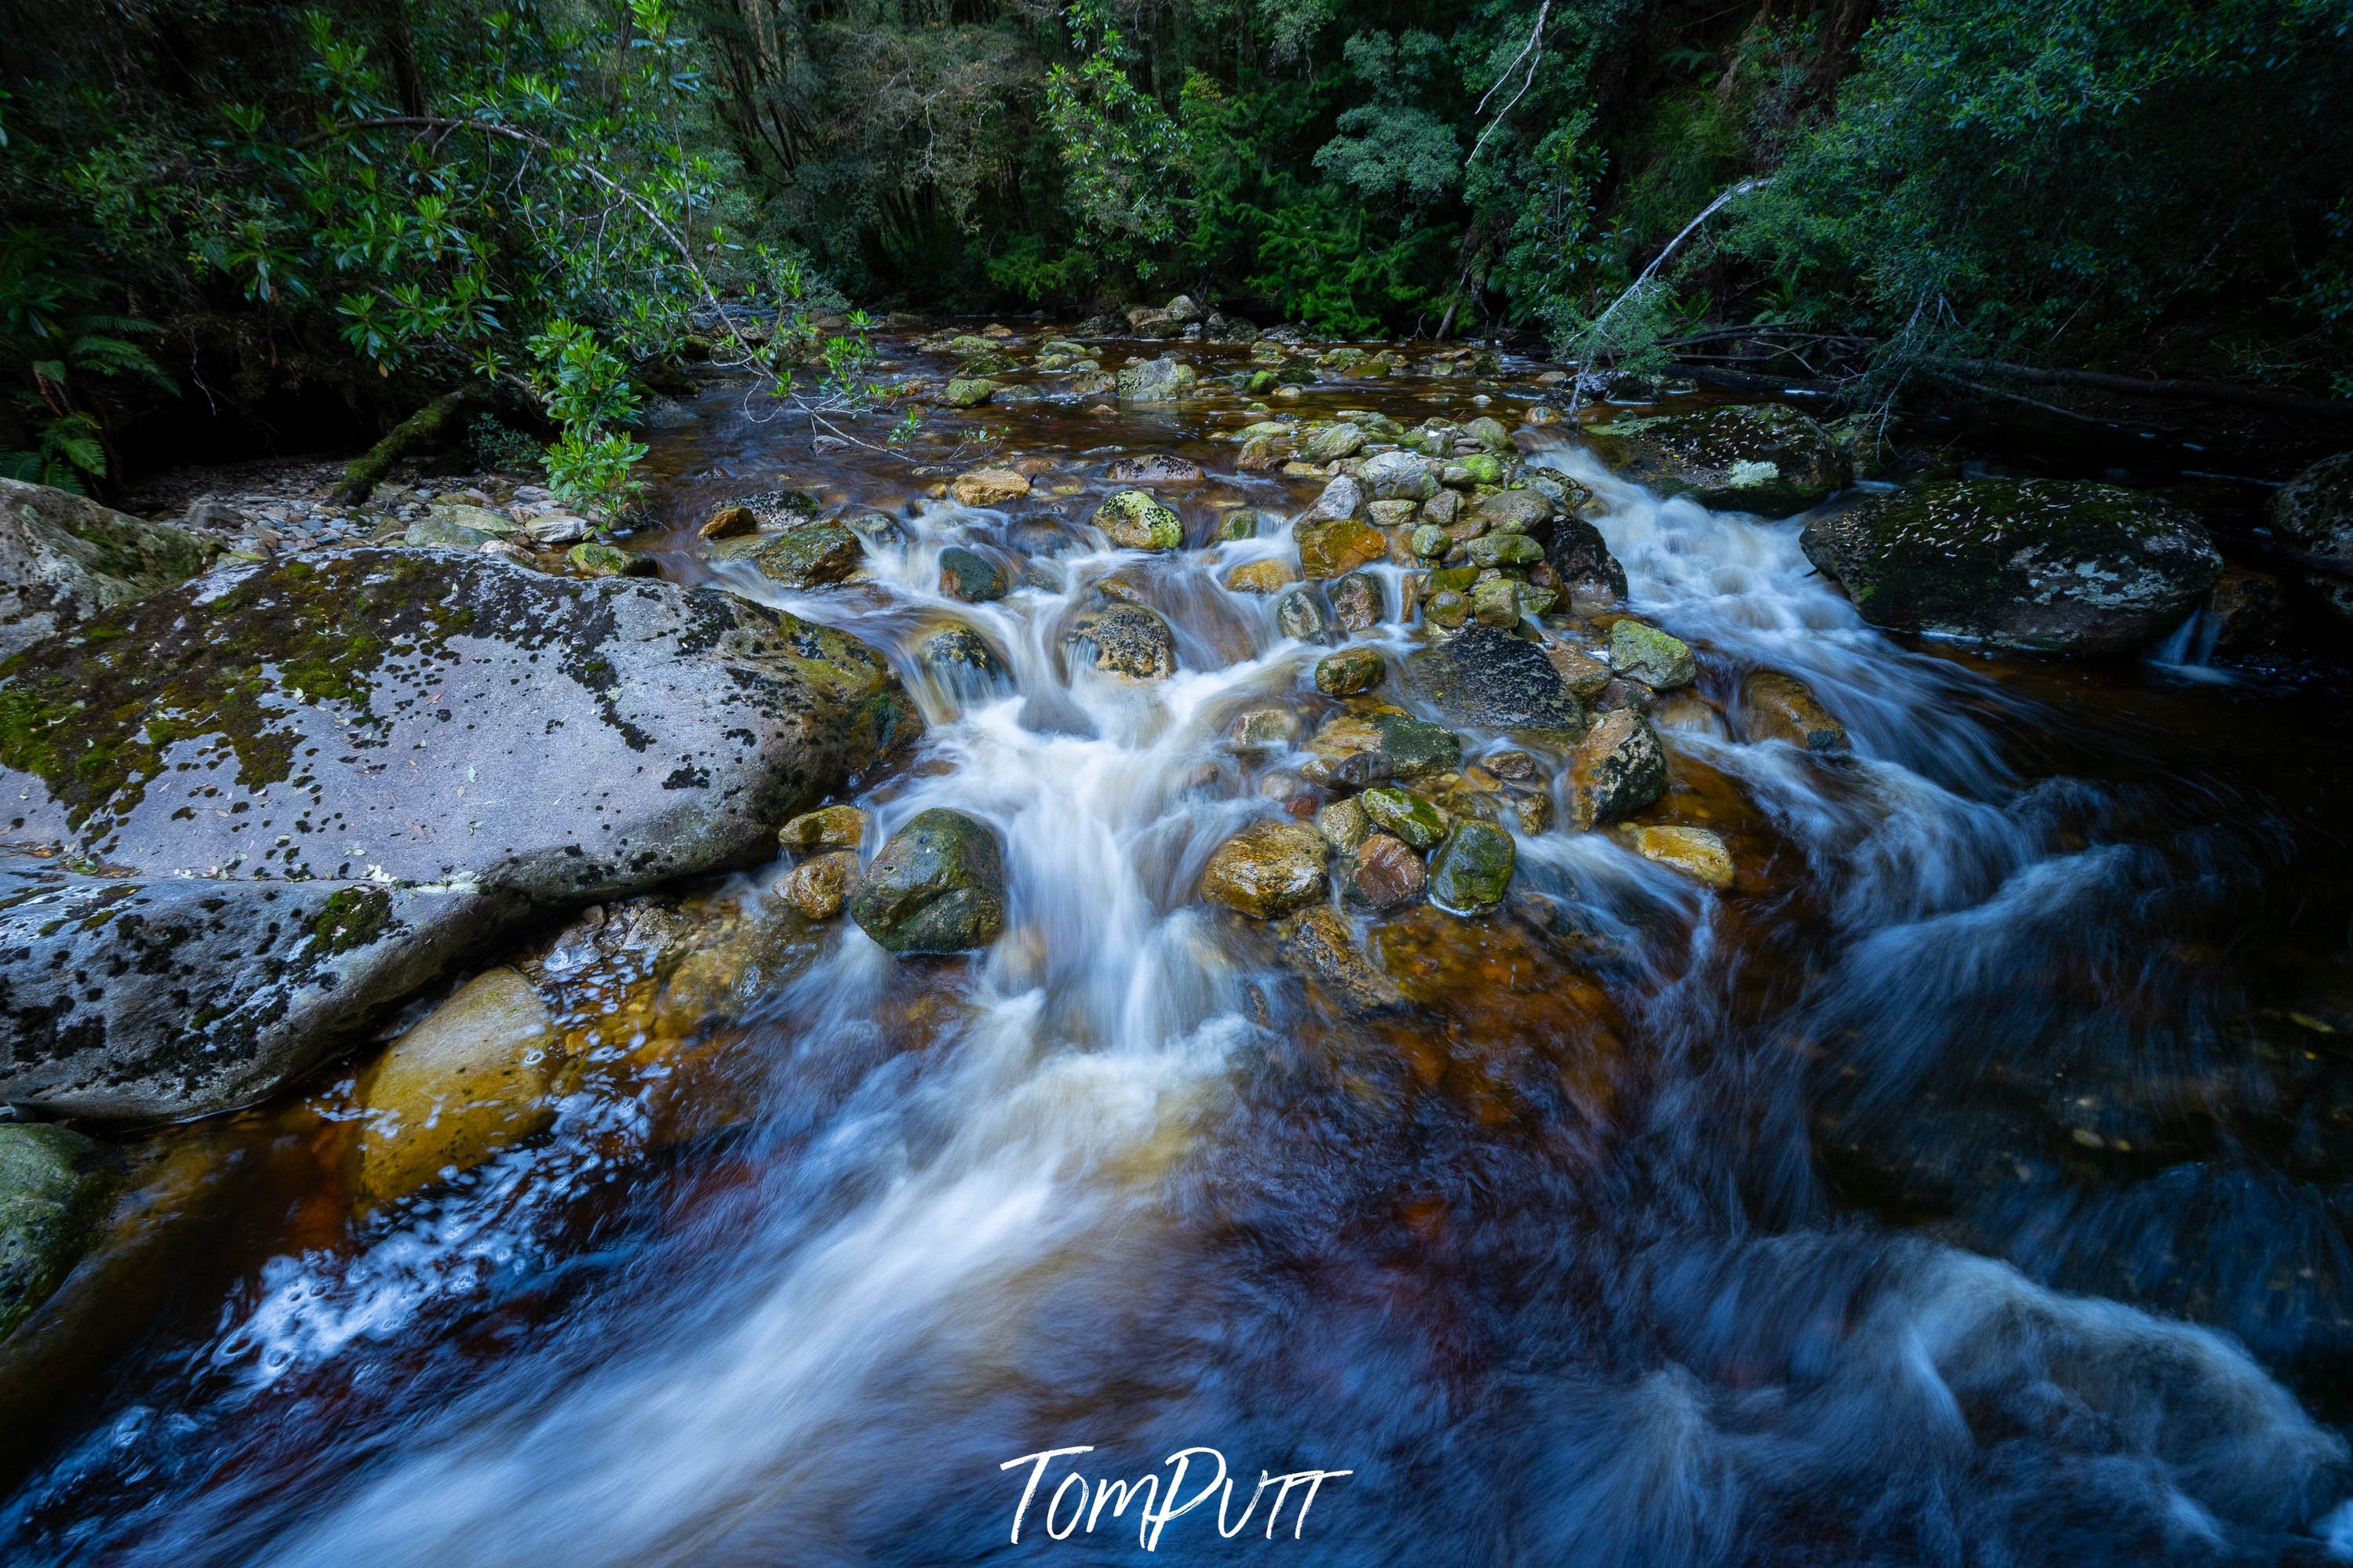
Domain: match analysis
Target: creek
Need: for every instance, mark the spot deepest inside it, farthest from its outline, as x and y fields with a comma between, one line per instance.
x=1965, y=1183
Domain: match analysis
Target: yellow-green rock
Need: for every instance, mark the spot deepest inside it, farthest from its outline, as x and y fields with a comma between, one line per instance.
x=474, y=1078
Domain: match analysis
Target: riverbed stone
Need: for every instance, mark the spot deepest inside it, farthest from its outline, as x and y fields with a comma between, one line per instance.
x=1355, y=602
x=1267, y=870
x=1762, y=458
x=1659, y=661
x=967, y=391
x=1349, y=671
x=1344, y=823
x=1399, y=476
x=1620, y=768
x=1155, y=469
x=1298, y=615
x=969, y=576
x=1270, y=575
x=1496, y=603
x=1333, y=548
x=1777, y=707
x=827, y=827
x=1342, y=499
x=1127, y=640
x=1137, y=520
x=1513, y=511
x=476, y=1076
x=1405, y=814
x=52, y=1184
x=2050, y=565
x=315, y=785
x=1384, y=873
x=1473, y=868
x=1696, y=852
x=959, y=657
x=1333, y=443
x=814, y=555
x=1580, y=560
x=1509, y=550
x=724, y=523
x=819, y=887
x=1153, y=381
x=1318, y=945
x=2314, y=512
x=937, y=886
x=65, y=559
x=989, y=486
x=1486, y=677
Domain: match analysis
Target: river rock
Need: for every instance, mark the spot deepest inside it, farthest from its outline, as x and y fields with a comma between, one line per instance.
x=1318, y=945
x=1405, y=814
x=1342, y=499
x=1779, y=707
x=1332, y=444
x=818, y=887
x=1332, y=549
x=1694, y=851
x=1469, y=874
x=1516, y=550
x=1344, y=824
x=967, y=392
x=1585, y=675
x=1580, y=559
x=1489, y=433
x=551, y=529
x=1515, y=511
x=937, y=886
x=779, y=507
x=1399, y=476
x=1136, y=519
x=1349, y=671
x=2314, y=512
x=1383, y=873
x=1268, y=870
x=814, y=555
x=64, y=559
x=1126, y=640
x=989, y=486
x=969, y=576
x=724, y=523
x=1496, y=603
x=1155, y=469
x=1644, y=653
x=475, y=1076
x=1355, y=602
x=1402, y=746
x=1619, y=769
x=1488, y=678
x=52, y=1184
x=827, y=827
x=1297, y=615
x=960, y=657
x=1153, y=381
x=317, y=786
x=1761, y=458
x=1266, y=576
x=2052, y=566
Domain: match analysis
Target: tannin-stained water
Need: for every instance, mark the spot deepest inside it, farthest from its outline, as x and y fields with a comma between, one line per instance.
x=1945, y=1192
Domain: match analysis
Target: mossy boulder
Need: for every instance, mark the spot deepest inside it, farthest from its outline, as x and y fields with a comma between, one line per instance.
x=813, y=555
x=52, y=1186
x=1404, y=815
x=65, y=559
x=1472, y=870
x=2052, y=566
x=967, y=392
x=1349, y=671
x=314, y=786
x=1762, y=458
x=1138, y=520
x=1660, y=660
x=1488, y=678
x=937, y=886
x=2314, y=512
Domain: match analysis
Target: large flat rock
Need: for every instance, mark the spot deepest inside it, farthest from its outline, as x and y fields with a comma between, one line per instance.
x=468, y=737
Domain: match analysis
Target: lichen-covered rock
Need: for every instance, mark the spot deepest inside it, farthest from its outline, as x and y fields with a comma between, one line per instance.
x=1695, y=851
x=51, y=1187
x=64, y=559
x=1267, y=870
x=1761, y=458
x=1349, y=671
x=989, y=486
x=476, y=1076
x=1580, y=558
x=1779, y=708
x=960, y=659
x=1496, y=603
x=1297, y=615
x=322, y=783
x=598, y=560
x=1504, y=549
x=1342, y=499
x=967, y=392
x=1399, y=476
x=1155, y=469
x=1656, y=659
x=2314, y=511
x=1136, y=519
x=1333, y=548
x=937, y=886
x=724, y=523
x=1488, y=678
x=1153, y=381
x=1403, y=814
x=814, y=555
x=1333, y=443
x=1398, y=745
x=778, y=509
x=1472, y=870
x=1515, y=511
x=1619, y=769
x=1125, y=639
x=2054, y=566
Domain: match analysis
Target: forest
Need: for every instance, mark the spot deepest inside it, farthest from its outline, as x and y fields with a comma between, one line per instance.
x=242, y=222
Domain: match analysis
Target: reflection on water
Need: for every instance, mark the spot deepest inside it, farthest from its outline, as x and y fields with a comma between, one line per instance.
x=1922, y=1200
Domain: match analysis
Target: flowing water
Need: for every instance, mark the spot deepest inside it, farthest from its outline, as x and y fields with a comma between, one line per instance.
x=1964, y=1185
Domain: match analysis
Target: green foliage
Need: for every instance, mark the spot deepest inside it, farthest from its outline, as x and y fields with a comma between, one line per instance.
x=587, y=390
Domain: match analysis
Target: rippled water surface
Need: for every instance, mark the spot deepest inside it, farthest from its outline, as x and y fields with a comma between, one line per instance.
x=1966, y=1184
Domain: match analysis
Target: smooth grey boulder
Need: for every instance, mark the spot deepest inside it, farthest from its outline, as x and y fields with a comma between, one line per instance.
x=442, y=741
x=64, y=559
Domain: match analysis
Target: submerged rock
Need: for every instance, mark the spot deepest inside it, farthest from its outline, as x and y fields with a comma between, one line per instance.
x=1349, y=671
x=1761, y=458
x=1779, y=708
x=818, y=888
x=959, y=657
x=320, y=784
x=1488, y=678
x=937, y=886
x=1619, y=769
x=1126, y=639
x=51, y=1188
x=989, y=486
x=1694, y=851
x=1644, y=653
x=476, y=1076
x=2314, y=512
x=64, y=559
x=1473, y=868
x=969, y=576
x=1297, y=615
x=1266, y=870
x=1135, y=520
x=2053, y=565
x=1316, y=944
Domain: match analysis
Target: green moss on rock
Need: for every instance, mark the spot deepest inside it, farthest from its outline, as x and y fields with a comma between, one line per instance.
x=1761, y=458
